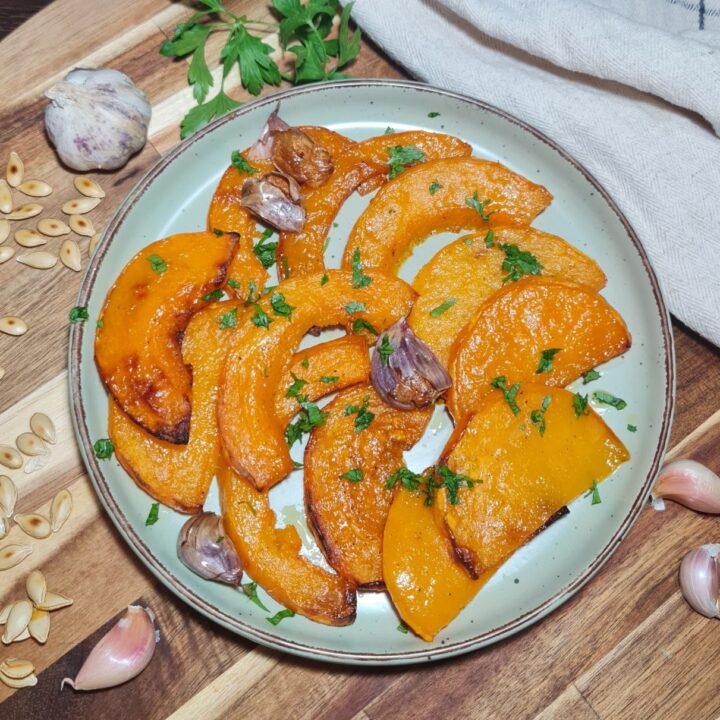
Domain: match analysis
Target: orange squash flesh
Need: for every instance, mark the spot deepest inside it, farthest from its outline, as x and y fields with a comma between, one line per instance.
x=271, y=556
x=137, y=344
x=469, y=272
x=426, y=583
x=245, y=271
x=348, y=518
x=252, y=436
x=525, y=477
x=516, y=324
x=302, y=253
x=404, y=212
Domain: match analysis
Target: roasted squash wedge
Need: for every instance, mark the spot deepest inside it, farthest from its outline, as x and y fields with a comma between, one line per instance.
x=405, y=212
x=467, y=272
x=347, y=514
x=528, y=466
x=252, y=435
x=246, y=275
x=302, y=253
x=513, y=328
x=271, y=556
x=427, y=584
x=137, y=343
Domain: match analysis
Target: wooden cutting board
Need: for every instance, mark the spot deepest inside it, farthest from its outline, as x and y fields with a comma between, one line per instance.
x=627, y=646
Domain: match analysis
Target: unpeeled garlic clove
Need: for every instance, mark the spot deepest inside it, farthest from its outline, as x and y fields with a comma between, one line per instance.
x=122, y=654
x=39, y=625
x=275, y=199
x=699, y=579
x=17, y=622
x=691, y=484
x=60, y=509
x=34, y=525
x=36, y=587
x=43, y=427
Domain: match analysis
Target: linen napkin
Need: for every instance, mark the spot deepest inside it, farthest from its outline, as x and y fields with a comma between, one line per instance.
x=631, y=88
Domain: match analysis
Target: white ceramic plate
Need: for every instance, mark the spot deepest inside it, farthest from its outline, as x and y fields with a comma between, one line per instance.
x=174, y=197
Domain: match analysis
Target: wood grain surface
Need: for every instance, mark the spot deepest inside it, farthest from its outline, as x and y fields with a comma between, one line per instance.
x=626, y=646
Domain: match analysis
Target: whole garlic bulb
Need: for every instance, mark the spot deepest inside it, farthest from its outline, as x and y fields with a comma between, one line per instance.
x=96, y=119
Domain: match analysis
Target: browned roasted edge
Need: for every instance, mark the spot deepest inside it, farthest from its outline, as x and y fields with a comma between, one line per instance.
x=262, y=636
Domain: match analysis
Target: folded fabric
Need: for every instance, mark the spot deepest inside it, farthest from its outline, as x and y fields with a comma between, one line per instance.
x=631, y=89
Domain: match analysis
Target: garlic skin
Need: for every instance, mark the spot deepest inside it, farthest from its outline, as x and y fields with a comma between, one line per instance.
x=122, y=654
x=413, y=377
x=262, y=149
x=699, y=580
x=97, y=119
x=275, y=199
x=203, y=547
x=689, y=483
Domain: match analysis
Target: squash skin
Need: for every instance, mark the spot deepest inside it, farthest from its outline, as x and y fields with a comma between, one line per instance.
x=270, y=555
x=252, y=436
x=365, y=161
x=469, y=272
x=404, y=212
x=140, y=362
x=530, y=480
x=517, y=323
x=348, y=518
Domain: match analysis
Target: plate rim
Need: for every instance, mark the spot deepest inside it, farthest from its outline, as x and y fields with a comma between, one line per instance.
x=236, y=624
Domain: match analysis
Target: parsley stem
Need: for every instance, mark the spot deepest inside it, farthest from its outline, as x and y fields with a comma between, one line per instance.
x=275, y=26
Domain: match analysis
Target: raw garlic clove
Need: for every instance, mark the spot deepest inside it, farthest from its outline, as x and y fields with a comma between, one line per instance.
x=122, y=654
x=691, y=484
x=699, y=580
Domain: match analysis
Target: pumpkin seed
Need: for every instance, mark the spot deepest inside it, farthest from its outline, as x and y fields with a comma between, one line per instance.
x=88, y=187
x=35, y=188
x=80, y=206
x=11, y=325
x=43, y=427
x=24, y=635
x=39, y=625
x=54, y=601
x=82, y=225
x=5, y=197
x=6, y=253
x=36, y=463
x=4, y=525
x=93, y=243
x=4, y=612
x=60, y=509
x=16, y=669
x=52, y=227
x=15, y=171
x=29, y=681
x=34, y=525
x=12, y=555
x=30, y=444
x=10, y=457
x=40, y=260
x=25, y=211
x=29, y=238
x=70, y=255
x=17, y=621
x=8, y=495
x=36, y=587
x=4, y=230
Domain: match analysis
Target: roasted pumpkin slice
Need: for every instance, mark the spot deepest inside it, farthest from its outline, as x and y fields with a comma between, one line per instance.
x=246, y=275
x=346, y=468
x=462, y=275
x=427, y=584
x=528, y=466
x=302, y=253
x=137, y=343
x=271, y=556
x=252, y=435
x=472, y=194
x=516, y=325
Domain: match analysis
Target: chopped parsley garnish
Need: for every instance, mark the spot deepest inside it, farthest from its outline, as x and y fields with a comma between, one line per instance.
x=329, y=379
x=297, y=385
x=580, y=404
x=218, y=232
x=241, y=163
x=153, y=515
x=286, y=267
x=267, y=289
x=440, y=309
x=261, y=318
x=277, y=618
x=99, y=324
x=360, y=324
x=324, y=279
x=389, y=130
x=354, y=307
x=234, y=284
x=103, y=448
x=452, y=482
x=443, y=477
x=252, y=293
x=265, y=250
x=546, y=360
x=606, y=398
x=402, y=628
x=157, y=263
x=590, y=375
x=595, y=492
x=489, y=238
x=434, y=187
x=538, y=416
x=305, y=362
x=228, y=319
x=433, y=114
x=353, y=476
x=401, y=156
x=478, y=206
x=364, y=416
x=214, y=295
x=385, y=350
x=279, y=306
x=408, y=479
x=518, y=263
x=250, y=592
x=78, y=313
x=632, y=428
x=309, y=417
x=359, y=280
x=500, y=383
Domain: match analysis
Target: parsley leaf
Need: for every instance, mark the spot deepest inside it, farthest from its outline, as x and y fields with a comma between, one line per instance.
x=402, y=628
x=452, y=482
x=538, y=416
x=354, y=307
x=590, y=375
x=250, y=592
x=153, y=515
x=99, y=324
x=632, y=428
x=241, y=163
x=103, y=448
x=214, y=295
x=218, y=233
x=360, y=324
x=359, y=280
x=309, y=417
x=595, y=492
x=389, y=130
x=297, y=385
x=441, y=477
x=305, y=362
x=199, y=75
x=329, y=379
x=385, y=350
x=78, y=314
x=251, y=54
x=252, y=293
x=265, y=251
x=202, y=114
x=364, y=416
x=500, y=383
x=518, y=263
x=228, y=319
x=401, y=156
x=324, y=279
x=546, y=360
x=489, y=238
x=279, y=306
x=408, y=479
x=261, y=318
x=280, y=616
x=434, y=187
x=433, y=114
x=479, y=207
x=440, y=309
x=157, y=263
x=353, y=476
x=606, y=398
x=580, y=404
x=234, y=284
